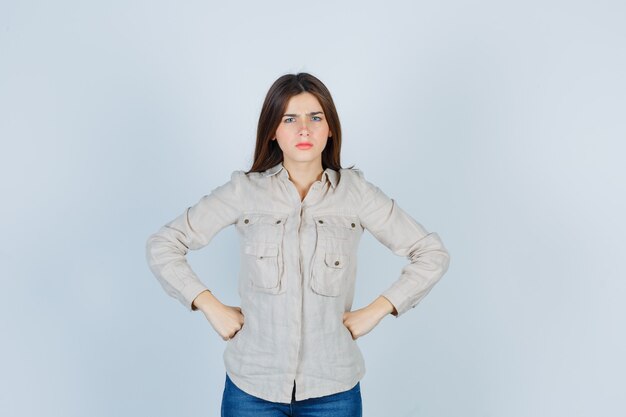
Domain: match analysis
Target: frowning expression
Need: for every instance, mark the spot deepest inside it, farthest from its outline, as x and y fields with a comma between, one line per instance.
x=303, y=129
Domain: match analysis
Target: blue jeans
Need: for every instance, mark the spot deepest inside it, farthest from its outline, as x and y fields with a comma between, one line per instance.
x=237, y=403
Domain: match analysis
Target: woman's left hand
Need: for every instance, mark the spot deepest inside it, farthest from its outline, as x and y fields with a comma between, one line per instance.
x=360, y=322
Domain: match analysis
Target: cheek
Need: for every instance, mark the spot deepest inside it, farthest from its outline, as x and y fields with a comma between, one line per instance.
x=325, y=140
x=320, y=127
x=285, y=130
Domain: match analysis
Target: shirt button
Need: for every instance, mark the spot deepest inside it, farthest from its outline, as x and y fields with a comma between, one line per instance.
x=246, y=221
x=277, y=221
x=321, y=221
x=353, y=225
x=336, y=262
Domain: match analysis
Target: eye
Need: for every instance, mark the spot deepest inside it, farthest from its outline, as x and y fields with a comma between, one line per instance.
x=287, y=119
x=317, y=118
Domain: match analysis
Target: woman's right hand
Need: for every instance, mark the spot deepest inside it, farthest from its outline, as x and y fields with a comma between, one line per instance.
x=225, y=320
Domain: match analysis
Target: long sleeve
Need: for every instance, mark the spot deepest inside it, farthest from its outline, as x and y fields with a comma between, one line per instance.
x=166, y=249
x=404, y=236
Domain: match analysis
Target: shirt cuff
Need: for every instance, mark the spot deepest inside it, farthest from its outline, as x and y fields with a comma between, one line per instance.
x=190, y=292
x=398, y=299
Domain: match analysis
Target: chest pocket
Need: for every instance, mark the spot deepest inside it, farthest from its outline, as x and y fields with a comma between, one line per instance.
x=332, y=261
x=263, y=263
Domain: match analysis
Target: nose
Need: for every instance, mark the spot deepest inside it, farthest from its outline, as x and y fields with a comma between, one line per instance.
x=304, y=128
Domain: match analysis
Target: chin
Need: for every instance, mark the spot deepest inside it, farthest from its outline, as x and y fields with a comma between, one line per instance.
x=302, y=158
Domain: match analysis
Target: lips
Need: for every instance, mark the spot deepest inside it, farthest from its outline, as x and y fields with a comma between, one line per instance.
x=304, y=145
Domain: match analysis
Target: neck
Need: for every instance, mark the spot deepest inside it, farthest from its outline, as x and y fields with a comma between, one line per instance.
x=304, y=173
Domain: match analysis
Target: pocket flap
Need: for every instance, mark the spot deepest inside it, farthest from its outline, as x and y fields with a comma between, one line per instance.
x=261, y=250
x=336, y=220
x=335, y=260
x=273, y=219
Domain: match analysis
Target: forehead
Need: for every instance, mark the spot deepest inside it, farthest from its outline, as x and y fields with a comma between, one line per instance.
x=303, y=102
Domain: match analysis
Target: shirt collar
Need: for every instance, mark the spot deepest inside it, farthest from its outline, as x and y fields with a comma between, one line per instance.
x=330, y=174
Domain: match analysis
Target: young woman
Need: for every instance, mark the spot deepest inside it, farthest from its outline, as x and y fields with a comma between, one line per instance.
x=291, y=346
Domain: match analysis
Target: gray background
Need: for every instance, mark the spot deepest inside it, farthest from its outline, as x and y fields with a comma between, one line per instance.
x=499, y=125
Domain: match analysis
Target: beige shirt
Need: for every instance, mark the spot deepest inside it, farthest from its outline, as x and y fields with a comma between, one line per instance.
x=297, y=274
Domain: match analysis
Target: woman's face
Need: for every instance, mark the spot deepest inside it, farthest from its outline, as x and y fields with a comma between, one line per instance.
x=303, y=130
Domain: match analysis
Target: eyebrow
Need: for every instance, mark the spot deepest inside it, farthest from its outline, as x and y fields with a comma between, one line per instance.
x=313, y=113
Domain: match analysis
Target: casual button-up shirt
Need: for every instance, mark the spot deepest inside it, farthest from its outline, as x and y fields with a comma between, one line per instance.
x=297, y=274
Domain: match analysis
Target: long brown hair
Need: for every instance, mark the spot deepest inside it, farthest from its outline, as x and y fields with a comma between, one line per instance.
x=267, y=153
